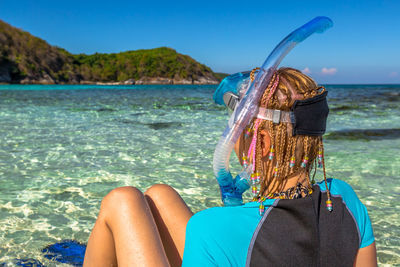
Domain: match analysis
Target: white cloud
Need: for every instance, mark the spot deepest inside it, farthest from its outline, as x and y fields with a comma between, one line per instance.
x=393, y=74
x=328, y=71
x=306, y=70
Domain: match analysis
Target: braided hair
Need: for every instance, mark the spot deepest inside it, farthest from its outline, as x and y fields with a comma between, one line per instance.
x=291, y=155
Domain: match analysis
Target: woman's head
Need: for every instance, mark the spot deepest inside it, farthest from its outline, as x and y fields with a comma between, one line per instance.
x=278, y=154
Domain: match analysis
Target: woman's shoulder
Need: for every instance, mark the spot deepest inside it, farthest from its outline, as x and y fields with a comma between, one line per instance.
x=339, y=188
x=220, y=215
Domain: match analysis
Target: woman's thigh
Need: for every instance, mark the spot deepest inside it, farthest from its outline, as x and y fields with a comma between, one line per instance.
x=171, y=215
x=125, y=232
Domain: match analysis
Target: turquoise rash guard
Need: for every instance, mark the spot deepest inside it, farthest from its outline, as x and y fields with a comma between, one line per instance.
x=291, y=232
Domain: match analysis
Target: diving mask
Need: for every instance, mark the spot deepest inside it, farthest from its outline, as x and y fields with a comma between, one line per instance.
x=308, y=116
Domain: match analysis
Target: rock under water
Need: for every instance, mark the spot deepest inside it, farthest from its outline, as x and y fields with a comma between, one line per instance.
x=364, y=134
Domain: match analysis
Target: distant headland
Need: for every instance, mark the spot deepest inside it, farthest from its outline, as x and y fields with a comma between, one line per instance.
x=26, y=59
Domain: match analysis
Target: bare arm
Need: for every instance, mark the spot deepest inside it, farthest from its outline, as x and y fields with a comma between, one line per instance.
x=366, y=257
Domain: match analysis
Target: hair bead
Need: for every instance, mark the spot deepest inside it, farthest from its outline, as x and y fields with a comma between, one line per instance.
x=271, y=153
x=255, y=178
x=319, y=158
x=261, y=199
x=254, y=190
x=304, y=162
x=261, y=209
x=247, y=132
x=329, y=205
x=292, y=162
x=276, y=170
x=245, y=162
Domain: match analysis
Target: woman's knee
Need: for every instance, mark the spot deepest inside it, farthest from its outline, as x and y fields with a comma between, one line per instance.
x=121, y=196
x=160, y=191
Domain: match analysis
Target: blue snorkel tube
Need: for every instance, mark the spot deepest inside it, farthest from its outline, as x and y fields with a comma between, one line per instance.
x=232, y=189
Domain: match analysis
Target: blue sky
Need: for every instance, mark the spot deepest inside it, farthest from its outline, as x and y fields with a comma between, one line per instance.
x=228, y=36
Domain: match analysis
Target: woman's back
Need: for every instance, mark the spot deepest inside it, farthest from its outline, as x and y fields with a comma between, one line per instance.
x=290, y=232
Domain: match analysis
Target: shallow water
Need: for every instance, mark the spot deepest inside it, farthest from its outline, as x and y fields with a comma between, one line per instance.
x=62, y=148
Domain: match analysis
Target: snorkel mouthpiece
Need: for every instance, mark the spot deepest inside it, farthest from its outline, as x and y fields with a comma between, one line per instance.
x=247, y=108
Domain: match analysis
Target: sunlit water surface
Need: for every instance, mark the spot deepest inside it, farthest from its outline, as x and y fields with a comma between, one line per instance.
x=63, y=148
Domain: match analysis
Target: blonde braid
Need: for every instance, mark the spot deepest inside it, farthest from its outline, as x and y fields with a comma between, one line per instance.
x=282, y=143
x=264, y=98
x=305, y=154
x=329, y=205
x=257, y=160
x=252, y=73
x=288, y=152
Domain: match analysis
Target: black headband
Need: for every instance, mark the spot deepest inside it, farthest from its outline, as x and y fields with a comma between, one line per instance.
x=309, y=116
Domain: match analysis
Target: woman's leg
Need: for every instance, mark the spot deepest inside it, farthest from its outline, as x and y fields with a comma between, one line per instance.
x=171, y=215
x=125, y=232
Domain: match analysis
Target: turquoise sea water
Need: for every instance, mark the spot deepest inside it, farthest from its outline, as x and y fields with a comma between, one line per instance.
x=63, y=148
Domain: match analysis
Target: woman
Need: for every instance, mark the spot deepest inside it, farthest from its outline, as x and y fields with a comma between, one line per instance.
x=291, y=221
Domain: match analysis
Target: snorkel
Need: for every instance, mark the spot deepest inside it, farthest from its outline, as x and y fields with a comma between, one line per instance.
x=247, y=108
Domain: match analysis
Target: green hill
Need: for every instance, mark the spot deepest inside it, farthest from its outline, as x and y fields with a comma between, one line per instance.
x=27, y=59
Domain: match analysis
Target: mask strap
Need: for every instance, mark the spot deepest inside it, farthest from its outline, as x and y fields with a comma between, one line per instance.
x=274, y=115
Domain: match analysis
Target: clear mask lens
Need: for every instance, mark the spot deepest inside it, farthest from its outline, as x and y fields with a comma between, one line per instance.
x=231, y=99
